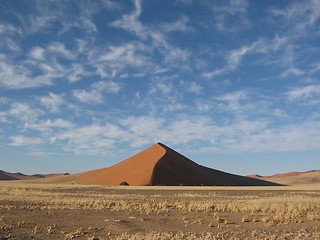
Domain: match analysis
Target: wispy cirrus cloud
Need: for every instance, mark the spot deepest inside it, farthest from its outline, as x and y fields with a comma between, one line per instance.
x=60, y=50
x=292, y=71
x=95, y=94
x=225, y=14
x=20, y=76
x=193, y=87
x=180, y=25
x=52, y=102
x=233, y=59
x=50, y=126
x=9, y=29
x=24, y=112
x=170, y=53
x=299, y=16
x=130, y=54
x=304, y=93
x=25, y=141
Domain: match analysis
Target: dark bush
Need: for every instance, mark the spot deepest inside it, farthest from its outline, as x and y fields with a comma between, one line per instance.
x=124, y=184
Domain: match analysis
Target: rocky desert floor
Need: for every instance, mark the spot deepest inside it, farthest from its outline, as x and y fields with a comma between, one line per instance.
x=44, y=211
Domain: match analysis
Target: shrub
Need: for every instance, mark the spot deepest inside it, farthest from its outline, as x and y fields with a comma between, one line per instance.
x=124, y=184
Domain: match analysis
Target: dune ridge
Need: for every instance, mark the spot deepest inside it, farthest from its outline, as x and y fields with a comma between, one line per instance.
x=293, y=178
x=159, y=165
x=136, y=170
x=176, y=169
x=8, y=176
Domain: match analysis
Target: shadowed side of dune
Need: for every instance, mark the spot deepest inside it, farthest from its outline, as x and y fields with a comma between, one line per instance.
x=158, y=165
x=6, y=176
x=175, y=169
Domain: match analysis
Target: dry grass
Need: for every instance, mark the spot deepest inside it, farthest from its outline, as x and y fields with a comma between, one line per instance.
x=288, y=207
x=265, y=206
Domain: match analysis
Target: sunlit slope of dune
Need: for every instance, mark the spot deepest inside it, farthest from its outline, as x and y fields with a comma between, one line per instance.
x=159, y=165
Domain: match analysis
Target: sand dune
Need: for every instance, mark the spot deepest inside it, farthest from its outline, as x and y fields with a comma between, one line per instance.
x=294, y=178
x=159, y=165
x=20, y=176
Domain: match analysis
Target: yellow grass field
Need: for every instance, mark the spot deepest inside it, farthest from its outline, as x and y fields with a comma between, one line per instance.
x=47, y=211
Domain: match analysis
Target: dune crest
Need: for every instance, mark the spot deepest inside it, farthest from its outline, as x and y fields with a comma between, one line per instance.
x=293, y=178
x=160, y=165
x=8, y=176
x=136, y=170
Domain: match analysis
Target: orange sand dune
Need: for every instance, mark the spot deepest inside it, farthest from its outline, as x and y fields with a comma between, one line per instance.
x=159, y=165
x=296, y=178
x=293, y=178
x=136, y=170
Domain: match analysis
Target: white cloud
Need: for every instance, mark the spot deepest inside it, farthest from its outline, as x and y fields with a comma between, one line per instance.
x=90, y=139
x=180, y=25
x=300, y=137
x=292, y=71
x=91, y=97
x=88, y=25
x=3, y=100
x=23, y=141
x=193, y=87
x=303, y=93
x=9, y=29
x=36, y=23
x=24, y=112
x=76, y=72
x=316, y=68
x=176, y=54
x=131, y=23
x=143, y=126
x=164, y=87
x=299, y=16
x=265, y=46
x=95, y=94
x=216, y=72
x=52, y=102
x=10, y=44
x=280, y=113
x=242, y=104
x=3, y=117
x=130, y=54
x=60, y=49
x=48, y=126
x=15, y=76
x=37, y=53
x=204, y=105
x=224, y=13
x=234, y=97
x=235, y=57
x=107, y=86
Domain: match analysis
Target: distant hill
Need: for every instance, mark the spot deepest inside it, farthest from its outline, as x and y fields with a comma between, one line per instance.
x=7, y=176
x=292, y=178
x=159, y=165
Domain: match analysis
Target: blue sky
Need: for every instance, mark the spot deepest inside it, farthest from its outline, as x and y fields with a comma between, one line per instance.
x=233, y=85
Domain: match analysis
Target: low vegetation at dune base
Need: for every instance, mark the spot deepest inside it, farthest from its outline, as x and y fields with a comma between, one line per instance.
x=102, y=212
x=124, y=184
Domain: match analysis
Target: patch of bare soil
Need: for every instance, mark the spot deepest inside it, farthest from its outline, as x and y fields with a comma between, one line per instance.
x=67, y=212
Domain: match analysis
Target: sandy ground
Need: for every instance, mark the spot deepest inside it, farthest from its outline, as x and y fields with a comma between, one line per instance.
x=41, y=211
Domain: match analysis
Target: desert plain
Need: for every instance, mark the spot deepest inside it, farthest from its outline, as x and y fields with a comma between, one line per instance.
x=75, y=211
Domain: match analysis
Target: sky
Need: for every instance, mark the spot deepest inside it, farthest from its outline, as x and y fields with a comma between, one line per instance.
x=233, y=85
